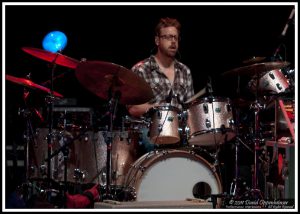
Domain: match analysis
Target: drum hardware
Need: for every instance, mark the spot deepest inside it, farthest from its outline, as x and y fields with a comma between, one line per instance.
x=55, y=59
x=118, y=85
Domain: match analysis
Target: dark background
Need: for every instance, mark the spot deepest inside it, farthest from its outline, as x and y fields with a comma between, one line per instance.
x=215, y=39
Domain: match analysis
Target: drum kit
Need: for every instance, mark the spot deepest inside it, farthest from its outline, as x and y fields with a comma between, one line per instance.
x=86, y=156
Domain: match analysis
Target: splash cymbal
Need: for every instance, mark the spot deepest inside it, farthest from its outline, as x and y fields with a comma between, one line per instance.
x=28, y=83
x=56, y=58
x=256, y=68
x=105, y=78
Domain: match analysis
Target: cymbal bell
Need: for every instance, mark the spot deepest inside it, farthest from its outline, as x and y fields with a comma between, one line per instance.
x=257, y=68
x=56, y=58
x=105, y=78
x=28, y=83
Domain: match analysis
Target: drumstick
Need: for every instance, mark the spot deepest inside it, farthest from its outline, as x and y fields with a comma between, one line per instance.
x=200, y=93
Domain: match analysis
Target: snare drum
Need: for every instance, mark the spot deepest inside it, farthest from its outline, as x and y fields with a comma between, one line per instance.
x=164, y=128
x=210, y=121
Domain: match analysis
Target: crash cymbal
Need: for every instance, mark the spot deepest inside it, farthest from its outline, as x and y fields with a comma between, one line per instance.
x=100, y=77
x=256, y=68
x=28, y=83
x=254, y=59
x=50, y=57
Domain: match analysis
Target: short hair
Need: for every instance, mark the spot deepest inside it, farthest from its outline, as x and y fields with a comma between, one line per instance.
x=167, y=22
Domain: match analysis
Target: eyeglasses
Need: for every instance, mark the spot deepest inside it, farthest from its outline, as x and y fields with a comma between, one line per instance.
x=170, y=37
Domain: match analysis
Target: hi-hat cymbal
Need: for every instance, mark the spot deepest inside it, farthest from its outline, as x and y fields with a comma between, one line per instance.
x=256, y=68
x=104, y=78
x=28, y=83
x=56, y=58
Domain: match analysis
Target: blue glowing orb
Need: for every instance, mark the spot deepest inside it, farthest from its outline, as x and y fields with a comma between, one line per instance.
x=55, y=41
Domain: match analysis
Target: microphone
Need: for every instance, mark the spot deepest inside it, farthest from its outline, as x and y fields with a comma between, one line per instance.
x=209, y=86
x=277, y=50
x=282, y=35
x=288, y=22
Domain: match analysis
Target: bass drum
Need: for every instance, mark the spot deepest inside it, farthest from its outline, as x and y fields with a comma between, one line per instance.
x=171, y=175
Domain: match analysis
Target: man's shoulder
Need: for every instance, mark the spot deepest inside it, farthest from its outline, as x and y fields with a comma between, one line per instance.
x=141, y=64
x=181, y=66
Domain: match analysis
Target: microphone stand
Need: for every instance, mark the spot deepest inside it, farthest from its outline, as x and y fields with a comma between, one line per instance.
x=282, y=35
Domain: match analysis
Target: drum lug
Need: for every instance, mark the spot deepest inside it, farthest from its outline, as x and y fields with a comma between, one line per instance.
x=205, y=108
x=228, y=108
x=187, y=130
x=159, y=128
x=180, y=130
x=158, y=115
x=231, y=122
x=279, y=86
x=207, y=123
x=79, y=175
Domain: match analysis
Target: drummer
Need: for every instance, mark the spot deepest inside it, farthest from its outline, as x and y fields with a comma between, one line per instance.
x=170, y=80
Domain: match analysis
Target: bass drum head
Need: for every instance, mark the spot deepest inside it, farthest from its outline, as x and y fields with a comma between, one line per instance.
x=171, y=175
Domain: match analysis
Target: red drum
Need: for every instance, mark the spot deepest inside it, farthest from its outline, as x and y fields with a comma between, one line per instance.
x=164, y=128
x=210, y=121
x=273, y=81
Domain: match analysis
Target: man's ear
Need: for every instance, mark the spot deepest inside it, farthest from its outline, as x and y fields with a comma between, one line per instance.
x=156, y=40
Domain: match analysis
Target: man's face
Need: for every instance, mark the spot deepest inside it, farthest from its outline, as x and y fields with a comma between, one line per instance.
x=167, y=41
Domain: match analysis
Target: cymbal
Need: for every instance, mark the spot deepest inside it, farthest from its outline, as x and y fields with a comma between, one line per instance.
x=50, y=57
x=28, y=83
x=256, y=68
x=254, y=59
x=100, y=77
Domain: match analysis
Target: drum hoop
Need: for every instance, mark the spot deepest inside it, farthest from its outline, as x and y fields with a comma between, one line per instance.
x=166, y=108
x=207, y=100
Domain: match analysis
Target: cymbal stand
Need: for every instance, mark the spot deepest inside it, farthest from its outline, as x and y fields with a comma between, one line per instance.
x=257, y=107
x=29, y=135
x=113, y=103
x=234, y=189
x=49, y=101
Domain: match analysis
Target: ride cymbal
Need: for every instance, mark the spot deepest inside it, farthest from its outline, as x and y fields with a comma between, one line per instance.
x=105, y=78
x=257, y=68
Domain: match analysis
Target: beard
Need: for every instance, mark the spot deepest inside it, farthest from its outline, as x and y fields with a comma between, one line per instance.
x=169, y=51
